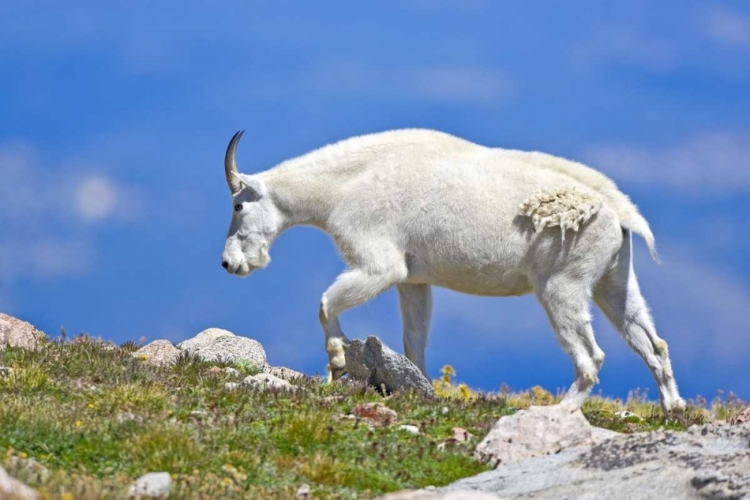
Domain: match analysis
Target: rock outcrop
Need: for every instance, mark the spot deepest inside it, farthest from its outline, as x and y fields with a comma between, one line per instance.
x=17, y=333
x=709, y=461
x=380, y=366
x=540, y=430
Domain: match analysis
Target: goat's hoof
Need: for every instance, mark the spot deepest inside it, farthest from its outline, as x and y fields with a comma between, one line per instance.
x=674, y=408
x=337, y=373
x=334, y=373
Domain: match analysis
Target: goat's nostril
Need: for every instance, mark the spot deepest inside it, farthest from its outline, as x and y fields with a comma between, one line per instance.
x=225, y=264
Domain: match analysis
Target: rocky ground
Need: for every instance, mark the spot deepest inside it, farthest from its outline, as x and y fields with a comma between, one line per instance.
x=542, y=452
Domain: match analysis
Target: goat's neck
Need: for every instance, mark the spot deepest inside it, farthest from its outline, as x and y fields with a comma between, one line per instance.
x=304, y=193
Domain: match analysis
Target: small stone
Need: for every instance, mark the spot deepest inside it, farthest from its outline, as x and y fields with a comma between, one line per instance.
x=284, y=373
x=377, y=413
x=461, y=435
x=628, y=415
x=232, y=386
x=303, y=491
x=158, y=353
x=151, y=485
x=268, y=381
x=231, y=371
x=411, y=429
x=6, y=371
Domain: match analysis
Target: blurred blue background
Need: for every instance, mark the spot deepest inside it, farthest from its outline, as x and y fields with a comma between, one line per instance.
x=114, y=118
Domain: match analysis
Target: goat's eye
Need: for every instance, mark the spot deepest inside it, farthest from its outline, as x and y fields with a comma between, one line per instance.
x=237, y=208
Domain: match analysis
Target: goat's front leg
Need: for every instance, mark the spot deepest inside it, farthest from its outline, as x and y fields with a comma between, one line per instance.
x=352, y=288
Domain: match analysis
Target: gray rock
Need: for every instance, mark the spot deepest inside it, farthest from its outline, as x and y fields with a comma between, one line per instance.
x=377, y=364
x=268, y=381
x=151, y=485
x=303, y=491
x=158, y=353
x=709, y=461
x=231, y=372
x=6, y=371
x=17, y=333
x=215, y=344
x=284, y=373
x=232, y=386
x=439, y=495
x=12, y=488
x=540, y=430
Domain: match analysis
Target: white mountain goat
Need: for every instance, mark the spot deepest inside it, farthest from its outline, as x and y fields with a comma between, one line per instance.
x=416, y=208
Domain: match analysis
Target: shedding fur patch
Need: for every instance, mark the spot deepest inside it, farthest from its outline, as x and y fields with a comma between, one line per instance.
x=567, y=207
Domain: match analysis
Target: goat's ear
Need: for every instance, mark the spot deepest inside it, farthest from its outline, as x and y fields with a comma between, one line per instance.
x=252, y=183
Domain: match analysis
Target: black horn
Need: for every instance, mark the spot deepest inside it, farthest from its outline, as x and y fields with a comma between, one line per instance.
x=230, y=164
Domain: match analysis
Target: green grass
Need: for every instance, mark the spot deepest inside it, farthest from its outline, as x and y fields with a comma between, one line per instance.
x=98, y=418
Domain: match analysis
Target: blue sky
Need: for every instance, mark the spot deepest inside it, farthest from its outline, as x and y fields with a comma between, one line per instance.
x=114, y=118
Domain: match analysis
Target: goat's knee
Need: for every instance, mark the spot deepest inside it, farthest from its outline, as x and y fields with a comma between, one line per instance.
x=598, y=357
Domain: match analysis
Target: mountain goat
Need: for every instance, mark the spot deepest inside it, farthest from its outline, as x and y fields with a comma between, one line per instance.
x=415, y=208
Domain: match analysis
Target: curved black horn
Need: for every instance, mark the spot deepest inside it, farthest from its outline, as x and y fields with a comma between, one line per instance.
x=230, y=164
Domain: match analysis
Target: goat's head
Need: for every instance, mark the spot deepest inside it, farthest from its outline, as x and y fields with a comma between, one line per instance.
x=255, y=220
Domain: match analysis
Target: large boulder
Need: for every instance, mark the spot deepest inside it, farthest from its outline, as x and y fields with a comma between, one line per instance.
x=540, y=430
x=12, y=488
x=17, y=333
x=216, y=344
x=377, y=364
x=710, y=461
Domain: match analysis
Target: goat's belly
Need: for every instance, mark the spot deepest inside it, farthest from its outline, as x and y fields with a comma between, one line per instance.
x=488, y=282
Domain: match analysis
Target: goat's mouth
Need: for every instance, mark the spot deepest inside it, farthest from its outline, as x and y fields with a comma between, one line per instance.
x=244, y=270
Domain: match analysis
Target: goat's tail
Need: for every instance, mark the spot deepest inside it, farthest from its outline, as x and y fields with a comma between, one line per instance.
x=631, y=218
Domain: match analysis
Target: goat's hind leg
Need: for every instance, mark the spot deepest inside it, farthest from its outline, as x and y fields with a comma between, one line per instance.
x=567, y=306
x=618, y=295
